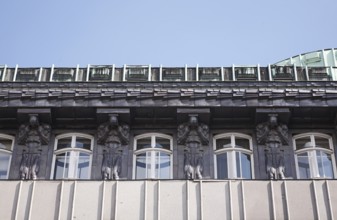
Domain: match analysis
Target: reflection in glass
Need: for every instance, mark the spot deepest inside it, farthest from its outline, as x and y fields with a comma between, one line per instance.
x=324, y=164
x=72, y=165
x=163, y=143
x=6, y=144
x=144, y=143
x=303, y=165
x=4, y=164
x=302, y=143
x=163, y=165
x=322, y=142
x=141, y=166
x=242, y=165
x=223, y=143
x=242, y=143
x=222, y=169
x=64, y=143
x=61, y=166
x=83, y=166
x=83, y=143
x=154, y=160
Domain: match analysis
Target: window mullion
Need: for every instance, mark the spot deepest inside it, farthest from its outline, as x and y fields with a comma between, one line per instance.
x=231, y=164
x=313, y=164
x=240, y=164
x=66, y=159
x=153, y=162
x=153, y=154
x=233, y=159
x=146, y=164
x=314, y=161
x=72, y=161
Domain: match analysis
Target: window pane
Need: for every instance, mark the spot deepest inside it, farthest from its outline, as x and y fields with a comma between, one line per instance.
x=322, y=142
x=83, y=143
x=302, y=143
x=242, y=143
x=144, y=143
x=222, y=166
x=223, y=143
x=163, y=165
x=83, y=166
x=245, y=166
x=64, y=143
x=163, y=143
x=141, y=162
x=4, y=165
x=5, y=144
x=61, y=166
x=303, y=166
x=324, y=164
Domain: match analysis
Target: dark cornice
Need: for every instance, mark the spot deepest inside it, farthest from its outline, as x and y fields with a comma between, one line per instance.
x=189, y=94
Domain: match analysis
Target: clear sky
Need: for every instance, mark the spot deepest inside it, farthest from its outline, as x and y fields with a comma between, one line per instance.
x=171, y=32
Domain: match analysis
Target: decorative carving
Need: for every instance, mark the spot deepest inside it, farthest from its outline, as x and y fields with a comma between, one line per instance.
x=112, y=136
x=32, y=135
x=273, y=135
x=193, y=135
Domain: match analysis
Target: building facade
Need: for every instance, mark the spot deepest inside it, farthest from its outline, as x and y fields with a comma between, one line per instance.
x=166, y=141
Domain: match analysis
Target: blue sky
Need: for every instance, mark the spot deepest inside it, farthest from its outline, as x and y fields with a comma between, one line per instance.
x=172, y=33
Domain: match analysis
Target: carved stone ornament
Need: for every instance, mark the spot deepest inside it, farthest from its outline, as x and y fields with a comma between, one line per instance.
x=33, y=135
x=273, y=135
x=193, y=135
x=112, y=136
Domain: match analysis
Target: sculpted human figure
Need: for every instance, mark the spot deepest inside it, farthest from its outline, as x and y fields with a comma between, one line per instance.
x=32, y=135
x=112, y=136
x=112, y=157
x=273, y=135
x=193, y=134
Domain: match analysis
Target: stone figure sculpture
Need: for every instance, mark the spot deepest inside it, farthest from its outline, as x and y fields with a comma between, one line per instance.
x=112, y=136
x=273, y=135
x=33, y=135
x=193, y=135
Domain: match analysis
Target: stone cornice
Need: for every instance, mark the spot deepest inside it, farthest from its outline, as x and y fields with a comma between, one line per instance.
x=201, y=94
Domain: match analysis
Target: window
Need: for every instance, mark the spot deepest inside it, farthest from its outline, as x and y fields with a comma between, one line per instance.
x=233, y=156
x=153, y=156
x=6, y=147
x=72, y=156
x=314, y=156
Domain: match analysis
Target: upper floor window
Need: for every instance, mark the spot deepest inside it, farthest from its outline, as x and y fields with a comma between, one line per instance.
x=233, y=156
x=153, y=156
x=6, y=148
x=314, y=156
x=72, y=156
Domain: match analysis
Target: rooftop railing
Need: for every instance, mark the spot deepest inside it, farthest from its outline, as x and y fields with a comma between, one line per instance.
x=143, y=73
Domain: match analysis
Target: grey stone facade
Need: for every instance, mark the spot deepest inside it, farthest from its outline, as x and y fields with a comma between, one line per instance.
x=161, y=107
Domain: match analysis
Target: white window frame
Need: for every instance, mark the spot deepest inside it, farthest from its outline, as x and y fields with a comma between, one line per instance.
x=231, y=151
x=153, y=150
x=72, y=150
x=313, y=164
x=9, y=152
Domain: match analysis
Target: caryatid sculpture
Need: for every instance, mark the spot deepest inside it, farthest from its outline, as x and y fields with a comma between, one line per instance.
x=193, y=135
x=112, y=136
x=273, y=135
x=33, y=135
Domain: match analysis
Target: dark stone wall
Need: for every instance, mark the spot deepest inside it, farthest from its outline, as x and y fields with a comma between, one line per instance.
x=178, y=154
x=156, y=107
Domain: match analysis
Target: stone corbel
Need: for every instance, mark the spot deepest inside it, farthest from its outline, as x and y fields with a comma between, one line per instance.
x=112, y=135
x=273, y=135
x=32, y=135
x=193, y=135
